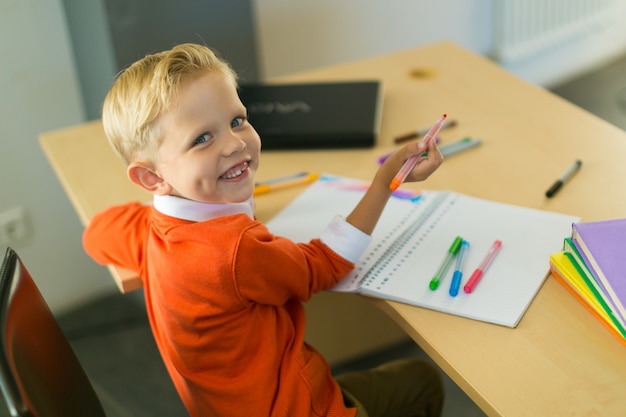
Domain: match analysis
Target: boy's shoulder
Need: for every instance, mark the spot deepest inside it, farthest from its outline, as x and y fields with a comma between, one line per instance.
x=125, y=210
x=222, y=228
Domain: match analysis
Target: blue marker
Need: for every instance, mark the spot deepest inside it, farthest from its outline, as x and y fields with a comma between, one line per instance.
x=458, y=273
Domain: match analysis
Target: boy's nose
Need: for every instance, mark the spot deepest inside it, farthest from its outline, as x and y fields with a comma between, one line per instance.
x=235, y=144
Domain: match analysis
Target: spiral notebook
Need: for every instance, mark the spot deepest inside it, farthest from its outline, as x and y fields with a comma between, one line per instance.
x=412, y=238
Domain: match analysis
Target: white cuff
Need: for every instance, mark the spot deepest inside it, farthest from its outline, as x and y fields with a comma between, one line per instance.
x=345, y=239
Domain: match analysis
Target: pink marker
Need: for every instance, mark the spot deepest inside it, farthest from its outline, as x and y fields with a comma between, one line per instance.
x=478, y=273
x=412, y=161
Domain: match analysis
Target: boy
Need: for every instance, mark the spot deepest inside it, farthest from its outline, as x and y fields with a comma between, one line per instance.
x=228, y=322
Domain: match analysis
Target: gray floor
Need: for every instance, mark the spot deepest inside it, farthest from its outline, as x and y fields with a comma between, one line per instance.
x=601, y=92
x=113, y=341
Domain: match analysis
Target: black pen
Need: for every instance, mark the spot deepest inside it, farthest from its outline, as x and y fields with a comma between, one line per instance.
x=564, y=178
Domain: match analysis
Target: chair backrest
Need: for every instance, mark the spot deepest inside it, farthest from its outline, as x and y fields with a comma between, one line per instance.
x=40, y=375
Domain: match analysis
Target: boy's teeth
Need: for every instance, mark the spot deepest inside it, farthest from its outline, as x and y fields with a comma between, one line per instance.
x=236, y=173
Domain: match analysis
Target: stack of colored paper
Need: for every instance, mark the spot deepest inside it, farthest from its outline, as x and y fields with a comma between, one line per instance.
x=592, y=266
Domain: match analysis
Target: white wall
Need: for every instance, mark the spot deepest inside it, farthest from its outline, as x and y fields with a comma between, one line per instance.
x=39, y=92
x=299, y=35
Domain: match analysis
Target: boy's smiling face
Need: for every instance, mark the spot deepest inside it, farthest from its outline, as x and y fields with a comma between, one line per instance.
x=209, y=151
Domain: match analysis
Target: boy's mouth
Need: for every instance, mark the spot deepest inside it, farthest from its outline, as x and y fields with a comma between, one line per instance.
x=236, y=171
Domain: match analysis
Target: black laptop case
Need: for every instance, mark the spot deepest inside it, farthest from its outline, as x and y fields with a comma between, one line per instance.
x=314, y=115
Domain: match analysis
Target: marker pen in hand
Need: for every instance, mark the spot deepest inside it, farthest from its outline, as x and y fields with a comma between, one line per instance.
x=412, y=161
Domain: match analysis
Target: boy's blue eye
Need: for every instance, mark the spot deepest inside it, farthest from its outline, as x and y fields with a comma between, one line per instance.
x=238, y=121
x=201, y=139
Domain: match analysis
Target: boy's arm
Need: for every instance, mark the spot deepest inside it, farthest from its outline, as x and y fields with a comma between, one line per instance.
x=116, y=235
x=367, y=212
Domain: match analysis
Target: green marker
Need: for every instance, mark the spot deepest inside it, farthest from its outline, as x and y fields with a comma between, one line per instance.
x=434, y=283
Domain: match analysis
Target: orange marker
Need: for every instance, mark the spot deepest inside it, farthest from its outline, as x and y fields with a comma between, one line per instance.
x=284, y=182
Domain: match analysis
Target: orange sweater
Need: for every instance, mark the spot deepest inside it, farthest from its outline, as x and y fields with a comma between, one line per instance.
x=224, y=301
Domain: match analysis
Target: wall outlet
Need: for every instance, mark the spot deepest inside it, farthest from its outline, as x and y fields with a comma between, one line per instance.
x=13, y=225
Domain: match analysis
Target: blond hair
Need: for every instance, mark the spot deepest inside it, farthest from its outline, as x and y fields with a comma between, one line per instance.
x=145, y=90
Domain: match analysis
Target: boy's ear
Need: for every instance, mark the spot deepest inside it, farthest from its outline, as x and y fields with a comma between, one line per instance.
x=144, y=176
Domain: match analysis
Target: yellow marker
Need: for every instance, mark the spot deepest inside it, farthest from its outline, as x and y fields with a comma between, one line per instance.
x=284, y=182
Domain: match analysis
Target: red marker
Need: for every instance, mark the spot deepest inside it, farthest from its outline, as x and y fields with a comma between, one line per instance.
x=479, y=272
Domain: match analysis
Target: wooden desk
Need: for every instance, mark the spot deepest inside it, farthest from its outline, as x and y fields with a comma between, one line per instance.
x=559, y=361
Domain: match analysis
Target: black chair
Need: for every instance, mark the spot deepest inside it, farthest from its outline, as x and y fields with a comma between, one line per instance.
x=40, y=376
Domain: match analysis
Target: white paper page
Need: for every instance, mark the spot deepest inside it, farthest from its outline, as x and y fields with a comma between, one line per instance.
x=502, y=296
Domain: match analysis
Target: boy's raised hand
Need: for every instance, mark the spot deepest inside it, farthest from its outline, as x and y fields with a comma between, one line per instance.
x=428, y=162
x=367, y=212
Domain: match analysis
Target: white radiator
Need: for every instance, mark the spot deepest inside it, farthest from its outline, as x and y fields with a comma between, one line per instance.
x=527, y=27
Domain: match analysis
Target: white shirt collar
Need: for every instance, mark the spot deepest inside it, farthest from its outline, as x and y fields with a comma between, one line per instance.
x=197, y=211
